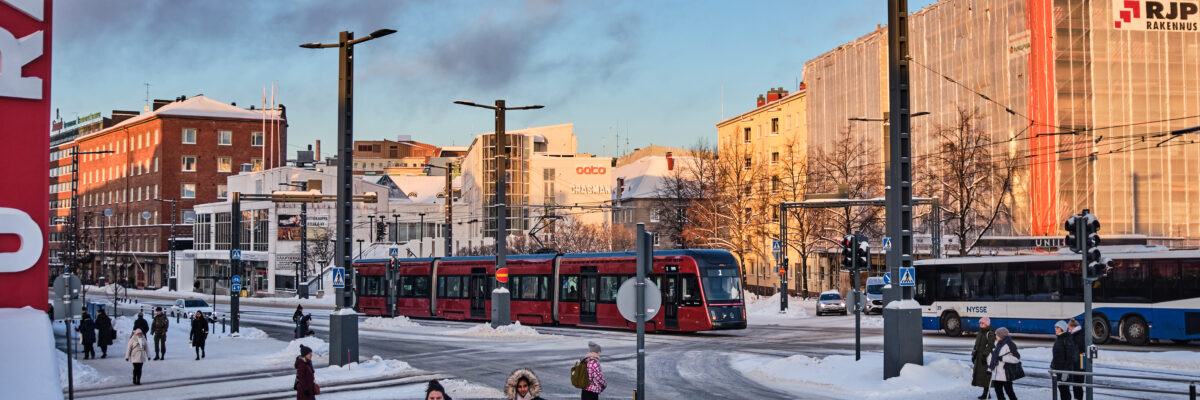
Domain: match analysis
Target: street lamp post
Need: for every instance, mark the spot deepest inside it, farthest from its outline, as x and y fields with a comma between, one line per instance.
x=421, y=244
x=172, y=282
x=449, y=208
x=500, y=296
x=343, y=324
x=302, y=270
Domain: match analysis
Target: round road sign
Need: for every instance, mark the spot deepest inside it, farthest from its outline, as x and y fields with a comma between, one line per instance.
x=627, y=299
x=502, y=275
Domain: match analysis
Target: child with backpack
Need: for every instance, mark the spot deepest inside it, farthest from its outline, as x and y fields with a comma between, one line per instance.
x=587, y=375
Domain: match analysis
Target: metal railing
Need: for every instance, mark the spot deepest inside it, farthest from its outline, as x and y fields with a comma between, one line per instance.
x=1191, y=393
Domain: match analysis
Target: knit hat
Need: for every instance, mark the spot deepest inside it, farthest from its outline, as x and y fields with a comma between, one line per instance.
x=304, y=350
x=1062, y=325
x=985, y=320
x=593, y=347
x=1002, y=333
x=157, y=308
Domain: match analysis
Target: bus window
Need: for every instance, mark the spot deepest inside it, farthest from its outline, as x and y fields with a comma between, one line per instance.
x=454, y=288
x=1042, y=282
x=1190, y=278
x=570, y=288
x=441, y=287
x=529, y=287
x=609, y=284
x=974, y=282
x=690, y=291
x=1128, y=284
x=544, y=285
x=1072, y=282
x=1166, y=278
x=1008, y=277
x=720, y=284
x=421, y=286
x=949, y=284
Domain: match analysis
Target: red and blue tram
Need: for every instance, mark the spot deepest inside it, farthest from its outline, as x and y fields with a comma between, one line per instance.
x=701, y=289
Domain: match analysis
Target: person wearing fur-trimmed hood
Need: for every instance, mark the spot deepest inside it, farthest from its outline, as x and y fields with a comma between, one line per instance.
x=522, y=384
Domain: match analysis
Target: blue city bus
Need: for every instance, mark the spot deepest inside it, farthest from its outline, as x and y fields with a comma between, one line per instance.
x=1151, y=295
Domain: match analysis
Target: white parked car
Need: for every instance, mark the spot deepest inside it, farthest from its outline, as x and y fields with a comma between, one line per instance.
x=831, y=303
x=189, y=306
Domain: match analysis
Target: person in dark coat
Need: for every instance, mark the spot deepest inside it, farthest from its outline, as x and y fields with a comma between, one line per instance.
x=306, y=384
x=985, y=341
x=199, y=333
x=141, y=323
x=522, y=384
x=435, y=391
x=299, y=313
x=1077, y=363
x=106, y=332
x=1063, y=352
x=87, y=332
x=159, y=329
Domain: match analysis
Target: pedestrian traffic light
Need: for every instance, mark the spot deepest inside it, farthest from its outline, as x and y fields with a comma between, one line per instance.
x=1072, y=226
x=1098, y=266
x=862, y=252
x=848, y=245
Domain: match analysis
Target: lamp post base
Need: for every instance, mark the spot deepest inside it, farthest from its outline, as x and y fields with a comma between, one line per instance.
x=901, y=337
x=500, y=307
x=343, y=337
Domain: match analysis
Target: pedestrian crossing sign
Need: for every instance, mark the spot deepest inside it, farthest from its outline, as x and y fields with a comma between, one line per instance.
x=236, y=255
x=908, y=276
x=339, y=278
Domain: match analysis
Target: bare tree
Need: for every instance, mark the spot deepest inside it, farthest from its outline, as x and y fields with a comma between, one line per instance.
x=847, y=161
x=736, y=221
x=973, y=180
x=804, y=224
x=320, y=250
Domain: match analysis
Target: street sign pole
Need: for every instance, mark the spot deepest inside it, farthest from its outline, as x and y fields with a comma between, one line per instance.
x=645, y=261
x=235, y=260
x=857, y=300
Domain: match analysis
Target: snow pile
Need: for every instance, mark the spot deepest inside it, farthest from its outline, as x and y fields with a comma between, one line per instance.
x=1166, y=360
x=84, y=375
x=387, y=323
x=486, y=330
x=841, y=376
x=319, y=347
x=376, y=367
x=765, y=310
x=27, y=348
x=246, y=332
x=460, y=388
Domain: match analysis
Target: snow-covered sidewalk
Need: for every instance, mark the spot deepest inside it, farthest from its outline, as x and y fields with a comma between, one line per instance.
x=101, y=294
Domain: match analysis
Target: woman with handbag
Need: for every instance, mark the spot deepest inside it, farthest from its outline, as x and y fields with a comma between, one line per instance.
x=1005, y=365
x=306, y=384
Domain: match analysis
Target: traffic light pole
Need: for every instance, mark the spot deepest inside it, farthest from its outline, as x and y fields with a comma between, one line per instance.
x=781, y=258
x=235, y=263
x=1081, y=233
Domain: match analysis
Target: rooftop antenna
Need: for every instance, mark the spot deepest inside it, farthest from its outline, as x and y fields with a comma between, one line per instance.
x=722, y=102
x=147, y=106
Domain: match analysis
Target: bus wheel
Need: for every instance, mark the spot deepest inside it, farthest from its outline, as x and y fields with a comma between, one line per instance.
x=952, y=324
x=1135, y=331
x=1101, y=329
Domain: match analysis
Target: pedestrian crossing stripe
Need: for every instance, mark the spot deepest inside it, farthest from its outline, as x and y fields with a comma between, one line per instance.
x=906, y=277
x=339, y=277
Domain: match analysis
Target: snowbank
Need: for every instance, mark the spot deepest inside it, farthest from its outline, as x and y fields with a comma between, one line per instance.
x=27, y=350
x=376, y=367
x=319, y=347
x=842, y=377
x=765, y=310
x=84, y=375
x=387, y=323
x=486, y=330
x=1167, y=360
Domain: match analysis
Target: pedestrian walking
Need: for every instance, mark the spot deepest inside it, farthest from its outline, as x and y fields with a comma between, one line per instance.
x=1077, y=363
x=105, y=332
x=135, y=352
x=522, y=384
x=1004, y=354
x=306, y=384
x=87, y=334
x=299, y=313
x=435, y=391
x=141, y=323
x=985, y=342
x=159, y=329
x=596, y=382
x=199, y=333
x=302, y=326
x=1061, y=355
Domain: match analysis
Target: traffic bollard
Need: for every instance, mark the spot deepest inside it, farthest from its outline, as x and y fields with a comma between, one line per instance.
x=222, y=324
x=176, y=316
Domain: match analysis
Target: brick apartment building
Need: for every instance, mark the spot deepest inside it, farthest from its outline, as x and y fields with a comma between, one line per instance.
x=182, y=150
x=402, y=157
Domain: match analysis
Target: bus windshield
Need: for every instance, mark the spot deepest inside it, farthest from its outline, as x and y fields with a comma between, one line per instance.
x=722, y=284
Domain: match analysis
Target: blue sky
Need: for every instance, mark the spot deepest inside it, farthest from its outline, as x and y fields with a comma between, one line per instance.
x=651, y=72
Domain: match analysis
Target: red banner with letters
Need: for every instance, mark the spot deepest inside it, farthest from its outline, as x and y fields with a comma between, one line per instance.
x=25, y=160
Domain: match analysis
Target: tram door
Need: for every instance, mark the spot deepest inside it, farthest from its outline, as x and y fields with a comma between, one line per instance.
x=671, y=297
x=479, y=292
x=589, y=290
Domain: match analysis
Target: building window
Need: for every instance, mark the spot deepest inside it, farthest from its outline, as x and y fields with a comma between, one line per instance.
x=775, y=157
x=748, y=162
x=746, y=136
x=189, y=164
x=774, y=126
x=256, y=139
x=222, y=191
x=224, y=164
x=257, y=164
x=189, y=136
x=654, y=215
x=225, y=138
x=188, y=191
x=775, y=184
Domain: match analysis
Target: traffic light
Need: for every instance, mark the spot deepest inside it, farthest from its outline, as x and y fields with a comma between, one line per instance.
x=862, y=252
x=848, y=245
x=1072, y=226
x=1098, y=266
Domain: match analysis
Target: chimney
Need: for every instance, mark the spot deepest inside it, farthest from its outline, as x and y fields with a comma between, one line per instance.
x=782, y=92
x=233, y=103
x=772, y=95
x=317, y=154
x=670, y=162
x=803, y=86
x=158, y=103
x=620, y=187
x=762, y=101
x=121, y=115
x=251, y=107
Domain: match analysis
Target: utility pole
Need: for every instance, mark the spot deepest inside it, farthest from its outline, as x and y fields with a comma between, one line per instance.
x=343, y=325
x=1082, y=237
x=172, y=282
x=449, y=190
x=421, y=250
x=500, y=296
x=235, y=260
x=902, y=342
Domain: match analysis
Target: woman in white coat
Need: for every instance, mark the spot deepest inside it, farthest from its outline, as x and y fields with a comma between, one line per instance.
x=1004, y=353
x=135, y=352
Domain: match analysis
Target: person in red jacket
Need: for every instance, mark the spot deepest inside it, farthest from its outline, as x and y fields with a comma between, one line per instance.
x=306, y=384
x=595, y=374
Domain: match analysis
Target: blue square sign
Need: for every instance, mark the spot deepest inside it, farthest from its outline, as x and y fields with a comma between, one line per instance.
x=908, y=276
x=339, y=278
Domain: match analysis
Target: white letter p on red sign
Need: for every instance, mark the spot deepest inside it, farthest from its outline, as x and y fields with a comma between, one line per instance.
x=17, y=222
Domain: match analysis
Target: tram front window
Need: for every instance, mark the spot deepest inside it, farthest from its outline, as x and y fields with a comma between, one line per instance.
x=722, y=284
